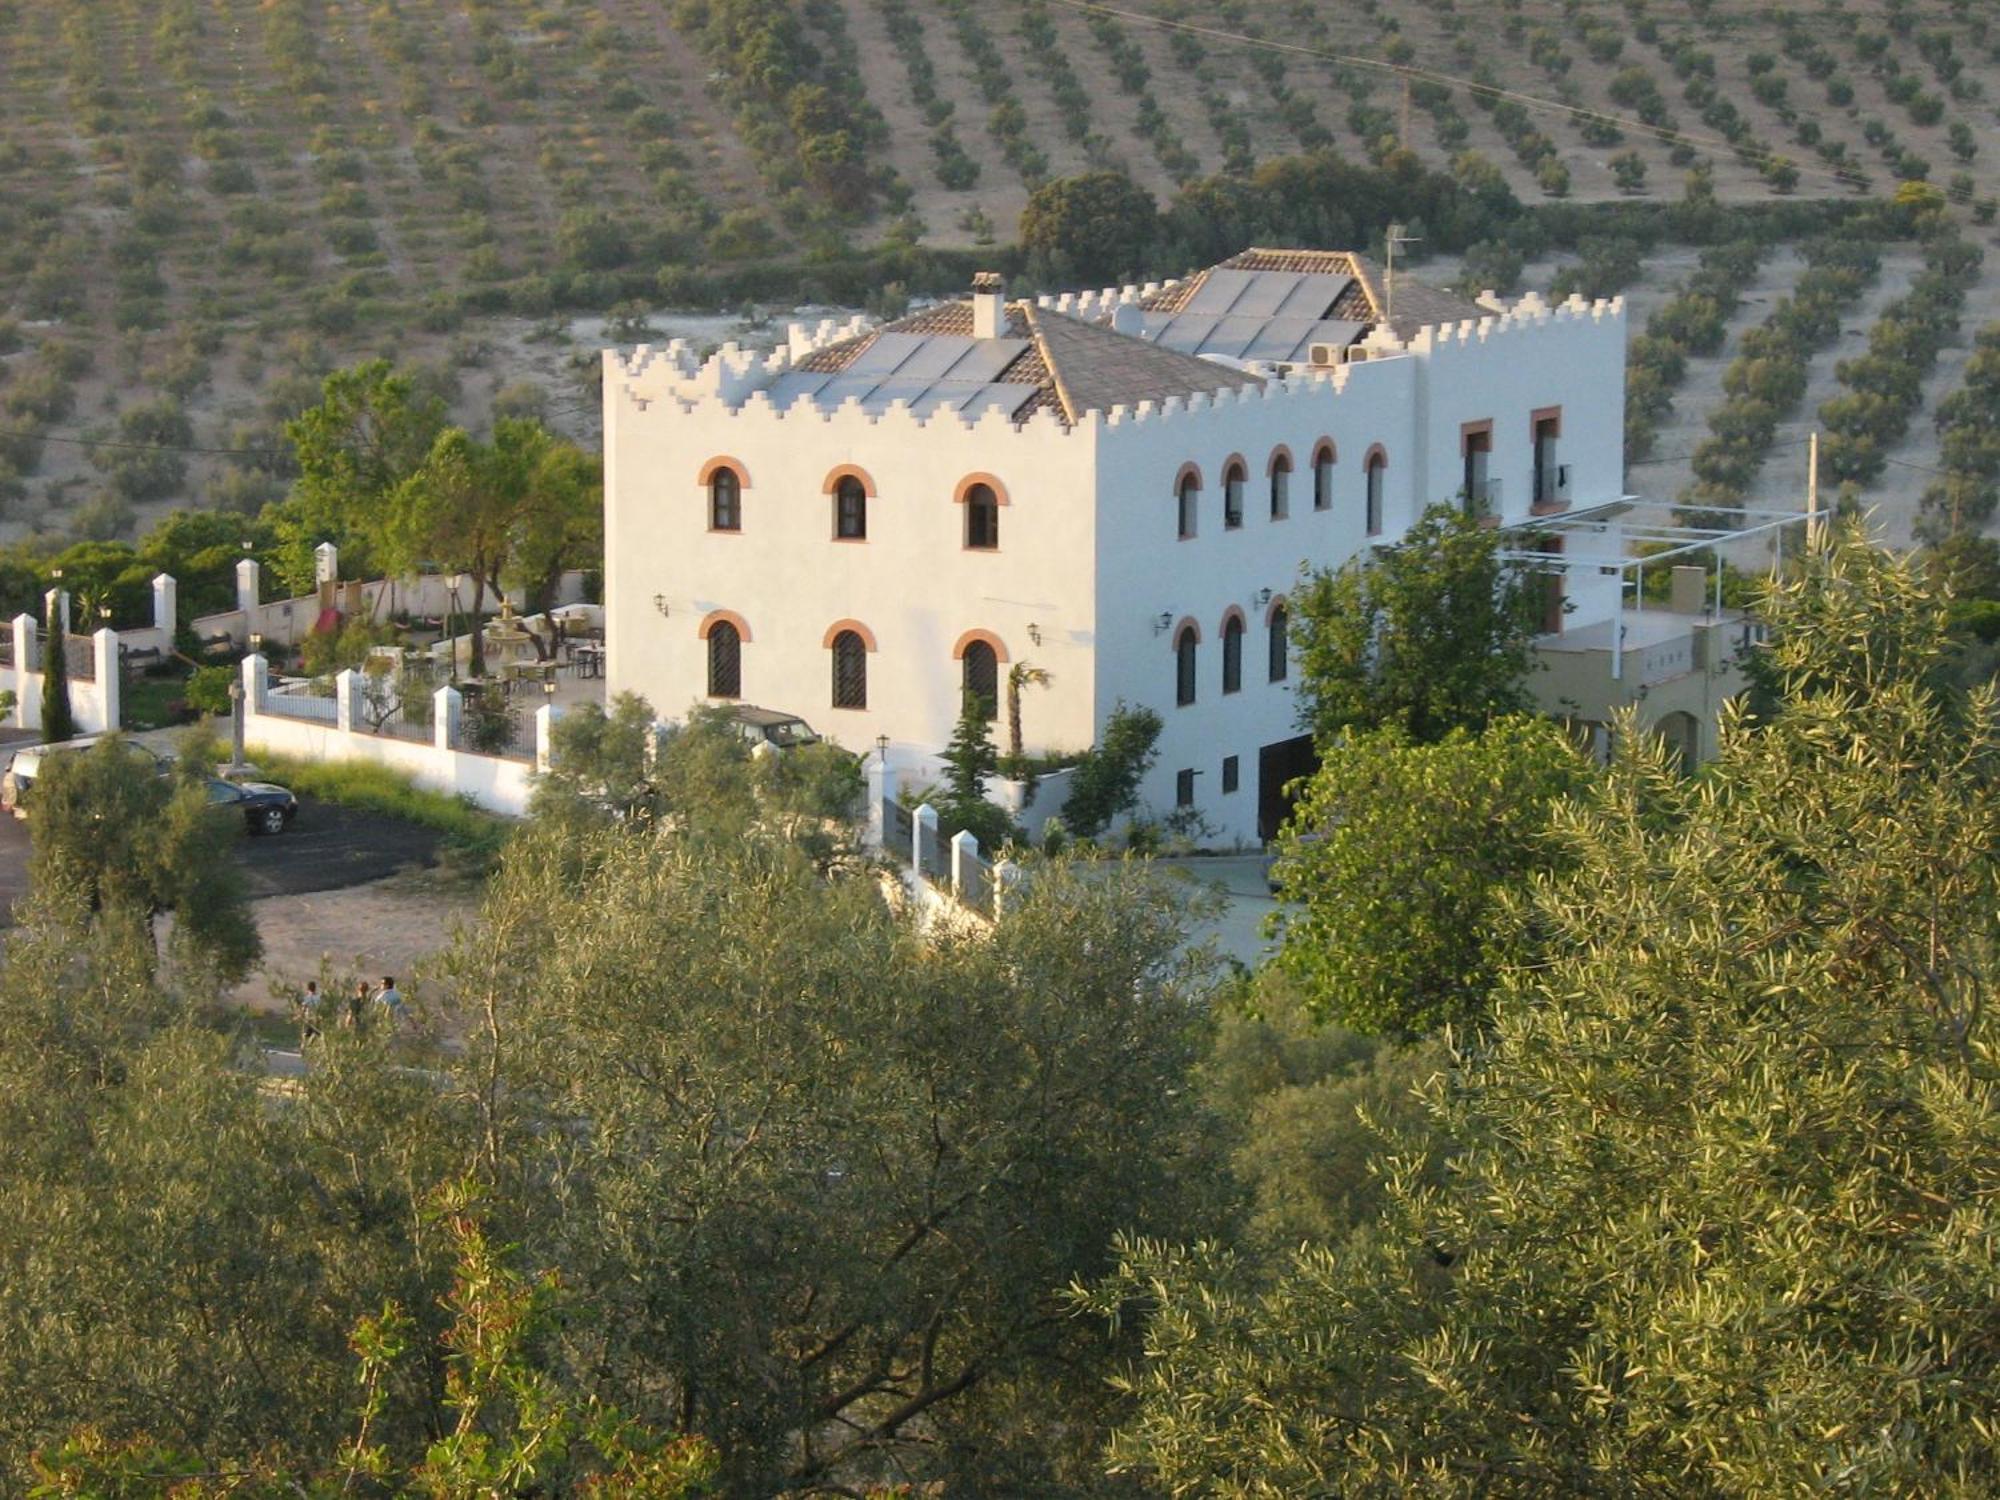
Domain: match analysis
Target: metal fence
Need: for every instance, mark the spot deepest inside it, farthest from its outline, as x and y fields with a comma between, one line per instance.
x=303, y=700
x=977, y=889
x=900, y=838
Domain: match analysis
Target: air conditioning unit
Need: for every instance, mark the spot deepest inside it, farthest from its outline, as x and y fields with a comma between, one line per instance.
x=1334, y=354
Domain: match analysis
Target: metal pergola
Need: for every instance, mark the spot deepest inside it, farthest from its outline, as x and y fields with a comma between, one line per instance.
x=1670, y=542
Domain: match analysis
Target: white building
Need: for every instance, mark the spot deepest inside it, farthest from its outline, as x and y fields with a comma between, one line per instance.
x=1119, y=487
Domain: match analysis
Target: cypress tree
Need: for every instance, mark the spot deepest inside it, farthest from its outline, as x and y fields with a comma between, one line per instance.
x=58, y=721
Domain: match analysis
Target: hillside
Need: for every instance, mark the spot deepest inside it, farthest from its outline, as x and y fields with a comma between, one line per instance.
x=205, y=204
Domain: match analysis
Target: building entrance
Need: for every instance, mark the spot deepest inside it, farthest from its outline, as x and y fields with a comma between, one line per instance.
x=1277, y=767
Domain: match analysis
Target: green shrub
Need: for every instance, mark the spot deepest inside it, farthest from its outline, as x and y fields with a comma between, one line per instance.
x=381, y=789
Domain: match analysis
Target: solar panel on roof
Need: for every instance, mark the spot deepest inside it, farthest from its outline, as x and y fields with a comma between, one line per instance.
x=899, y=387
x=887, y=353
x=985, y=359
x=1266, y=294
x=1304, y=335
x=1231, y=336
x=1313, y=296
x=789, y=387
x=1185, y=331
x=1008, y=396
x=934, y=360
x=1218, y=291
x=1278, y=338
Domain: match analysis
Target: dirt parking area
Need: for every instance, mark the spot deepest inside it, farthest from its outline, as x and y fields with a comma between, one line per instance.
x=391, y=926
x=327, y=848
x=341, y=893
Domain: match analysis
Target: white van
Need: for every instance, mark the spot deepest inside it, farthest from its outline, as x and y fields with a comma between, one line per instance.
x=26, y=765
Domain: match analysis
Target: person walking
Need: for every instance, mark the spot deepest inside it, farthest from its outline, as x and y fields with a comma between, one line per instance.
x=391, y=1000
x=357, y=1008
x=311, y=1003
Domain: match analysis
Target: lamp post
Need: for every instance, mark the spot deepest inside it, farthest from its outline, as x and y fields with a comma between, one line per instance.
x=236, y=723
x=450, y=619
x=882, y=748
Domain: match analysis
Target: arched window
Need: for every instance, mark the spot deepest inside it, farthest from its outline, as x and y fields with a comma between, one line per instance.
x=725, y=500
x=725, y=661
x=1190, y=502
x=1184, y=665
x=1281, y=486
x=982, y=677
x=982, y=518
x=1232, y=497
x=1280, y=645
x=1377, y=462
x=1323, y=477
x=1232, y=654
x=850, y=510
x=850, y=670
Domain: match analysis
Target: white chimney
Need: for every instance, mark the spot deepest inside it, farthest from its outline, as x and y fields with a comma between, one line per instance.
x=1128, y=316
x=988, y=294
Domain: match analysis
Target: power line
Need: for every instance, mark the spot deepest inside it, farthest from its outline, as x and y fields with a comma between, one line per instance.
x=78, y=440
x=1407, y=71
x=1675, y=458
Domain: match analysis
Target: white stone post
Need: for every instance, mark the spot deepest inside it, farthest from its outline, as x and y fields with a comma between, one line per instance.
x=447, y=711
x=545, y=724
x=56, y=602
x=883, y=784
x=256, y=682
x=923, y=828
x=1006, y=875
x=964, y=854
x=104, y=648
x=165, y=605
x=326, y=563
x=249, y=591
x=346, y=700
x=27, y=704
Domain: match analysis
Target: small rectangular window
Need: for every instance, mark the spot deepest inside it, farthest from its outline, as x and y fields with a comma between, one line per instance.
x=1184, y=788
x=1229, y=773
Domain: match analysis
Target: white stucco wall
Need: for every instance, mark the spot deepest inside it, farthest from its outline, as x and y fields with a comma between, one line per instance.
x=1414, y=405
x=1090, y=549
x=912, y=582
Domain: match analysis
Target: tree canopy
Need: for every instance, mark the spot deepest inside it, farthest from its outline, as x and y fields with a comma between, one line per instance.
x=1427, y=636
x=1741, y=1107
x=120, y=842
x=1398, y=864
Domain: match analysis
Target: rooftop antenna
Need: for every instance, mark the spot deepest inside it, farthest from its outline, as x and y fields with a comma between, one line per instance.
x=1397, y=239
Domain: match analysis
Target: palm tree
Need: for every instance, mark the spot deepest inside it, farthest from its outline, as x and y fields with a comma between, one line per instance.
x=1021, y=674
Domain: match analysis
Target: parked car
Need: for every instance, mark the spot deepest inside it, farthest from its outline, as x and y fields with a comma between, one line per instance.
x=766, y=726
x=266, y=807
x=26, y=765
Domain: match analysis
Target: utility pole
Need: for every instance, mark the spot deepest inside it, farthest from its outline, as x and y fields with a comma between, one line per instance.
x=1813, y=527
x=1403, y=135
x=1396, y=240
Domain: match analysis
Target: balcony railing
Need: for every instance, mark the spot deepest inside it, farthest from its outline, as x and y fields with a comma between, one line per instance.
x=1481, y=500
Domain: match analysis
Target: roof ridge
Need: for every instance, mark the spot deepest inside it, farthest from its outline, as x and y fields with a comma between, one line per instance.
x=1137, y=357
x=1032, y=315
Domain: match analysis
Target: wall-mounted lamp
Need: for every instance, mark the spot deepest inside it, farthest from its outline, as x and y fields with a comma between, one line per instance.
x=1263, y=597
x=1166, y=619
x=660, y=603
x=1034, y=632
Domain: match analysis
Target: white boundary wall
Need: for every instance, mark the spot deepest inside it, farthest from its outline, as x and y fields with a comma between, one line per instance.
x=493, y=782
x=289, y=621
x=94, y=704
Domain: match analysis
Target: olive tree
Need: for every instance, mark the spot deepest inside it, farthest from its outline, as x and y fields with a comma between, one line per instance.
x=1740, y=1110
